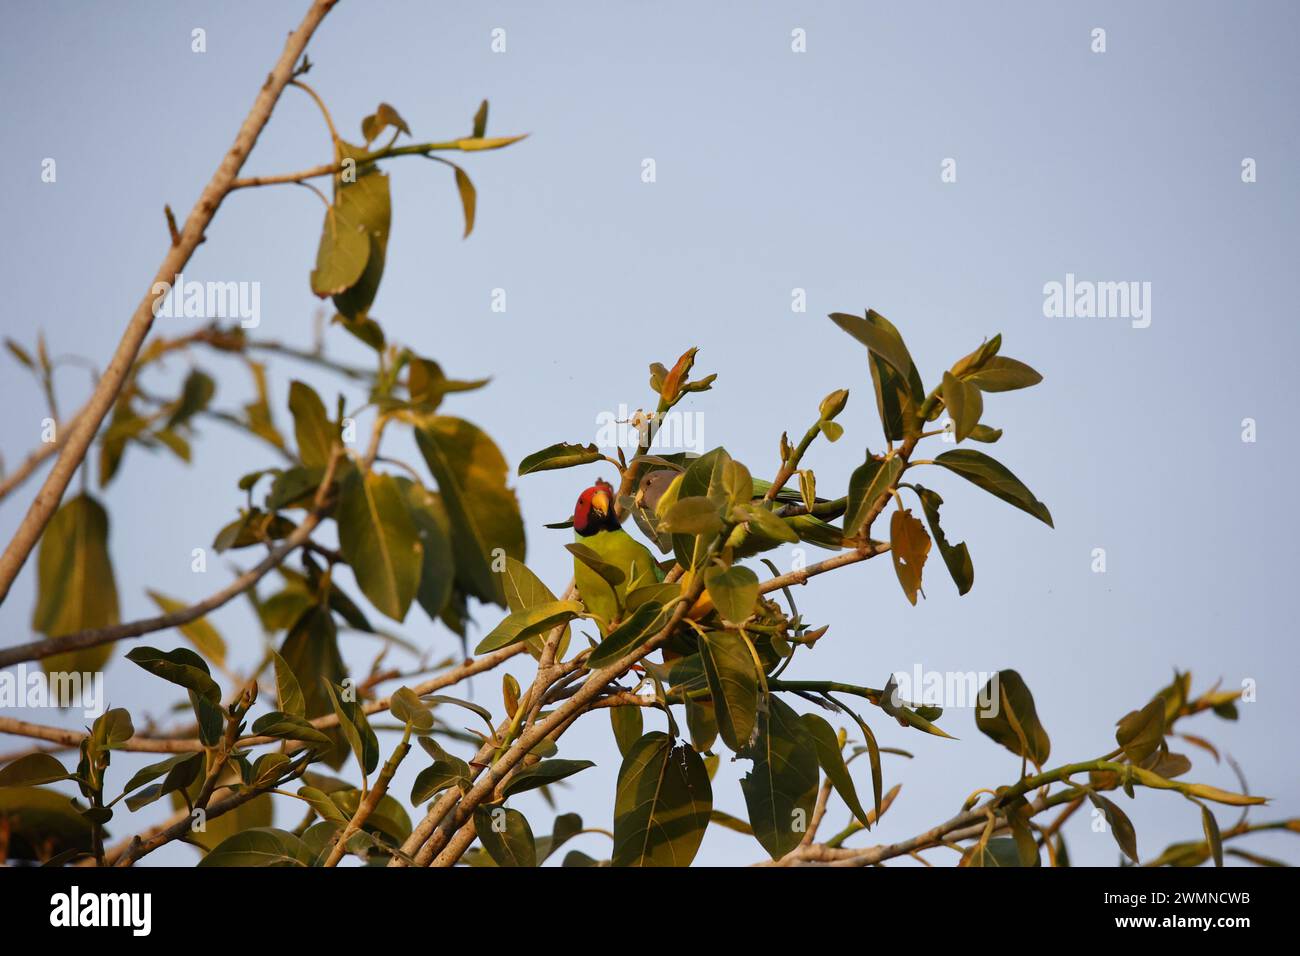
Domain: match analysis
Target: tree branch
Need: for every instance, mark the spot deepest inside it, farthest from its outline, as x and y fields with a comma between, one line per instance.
x=34, y=460
x=87, y=421
x=35, y=650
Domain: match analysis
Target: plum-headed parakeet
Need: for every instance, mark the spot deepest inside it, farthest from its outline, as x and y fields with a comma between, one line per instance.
x=599, y=531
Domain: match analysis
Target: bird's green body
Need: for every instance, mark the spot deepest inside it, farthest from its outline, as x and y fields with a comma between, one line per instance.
x=623, y=552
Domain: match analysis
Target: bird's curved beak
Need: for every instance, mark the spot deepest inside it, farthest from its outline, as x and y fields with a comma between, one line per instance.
x=600, y=503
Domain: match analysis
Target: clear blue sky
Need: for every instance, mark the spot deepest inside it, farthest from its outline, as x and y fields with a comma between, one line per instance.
x=775, y=170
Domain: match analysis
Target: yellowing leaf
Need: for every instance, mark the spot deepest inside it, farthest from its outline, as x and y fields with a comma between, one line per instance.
x=200, y=631
x=908, y=546
x=379, y=540
x=75, y=587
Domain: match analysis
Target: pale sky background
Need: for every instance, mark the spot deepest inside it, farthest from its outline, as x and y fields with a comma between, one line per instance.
x=775, y=170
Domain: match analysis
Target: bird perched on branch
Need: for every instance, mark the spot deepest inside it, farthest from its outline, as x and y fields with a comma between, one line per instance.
x=608, y=562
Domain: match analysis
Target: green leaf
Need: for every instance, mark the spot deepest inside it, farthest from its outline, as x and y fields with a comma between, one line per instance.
x=32, y=769
x=211, y=718
x=808, y=488
x=288, y=691
x=662, y=805
x=180, y=666
x=21, y=354
x=1001, y=852
x=468, y=197
x=956, y=557
x=406, y=706
x=473, y=144
x=472, y=707
x=831, y=758
x=356, y=728
x=985, y=434
x=434, y=779
x=260, y=846
x=898, y=388
x=781, y=789
x=196, y=393
x=1206, y=792
x=767, y=530
x=389, y=817
x=543, y=774
x=437, y=564
x=900, y=412
x=525, y=590
x=639, y=626
x=383, y=117
x=873, y=758
x=1015, y=723
x=344, y=248
x=869, y=481
x=628, y=726
x=178, y=773
x=284, y=726
x=111, y=730
x=312, y=653
x=610, y=573
x=506, y=836
x=701, y=723
x=522, y=625
x=1121, y=827
x=257, y=812
x=324, y=806
x=364, y=207
x=258, y=413
x=566, y=827
x=976, y=359
x=1000, y=374
x=42, y=822
x=880, y=337
x=446, y=771
x=733, y=684
x=989, y=474
x=561, y=455
x=705, y=477
x=1141, y=732
x=1212, y=835
x=163, y=767
x=200, y=631
x=964, y=404
x=75, y=588
x=379, y=540
x=315, y=434
x=428, y=385
x=482, y=510
x=696, y=515
x=734, y=592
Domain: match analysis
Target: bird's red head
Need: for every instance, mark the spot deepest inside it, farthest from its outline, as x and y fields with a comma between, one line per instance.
x=595, y=510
